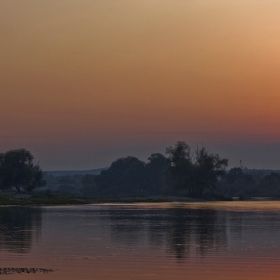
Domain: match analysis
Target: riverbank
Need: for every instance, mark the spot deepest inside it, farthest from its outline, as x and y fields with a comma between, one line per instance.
x=46, y=198
x=72, y=200
x=22, y=199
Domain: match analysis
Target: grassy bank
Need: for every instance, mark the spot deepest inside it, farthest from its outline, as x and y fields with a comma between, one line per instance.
x=11, y=198
x=47, y=198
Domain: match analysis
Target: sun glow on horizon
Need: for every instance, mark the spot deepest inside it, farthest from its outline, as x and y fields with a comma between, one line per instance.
x=97, y=76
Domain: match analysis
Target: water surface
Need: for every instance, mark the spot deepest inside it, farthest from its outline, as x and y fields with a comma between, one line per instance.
x=229, y=240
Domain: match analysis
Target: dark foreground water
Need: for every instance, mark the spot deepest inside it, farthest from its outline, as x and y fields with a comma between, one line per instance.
x=230, y=240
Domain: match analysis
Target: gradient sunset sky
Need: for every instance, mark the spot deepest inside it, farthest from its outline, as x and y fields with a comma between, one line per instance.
x=84, y=82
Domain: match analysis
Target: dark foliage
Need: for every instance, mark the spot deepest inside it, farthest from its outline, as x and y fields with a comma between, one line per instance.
x=238, y=183
x=180, y=165
x=124, y=176
x=270, y=185
x=194, y=174
x=156, y=173
x=128, y=176
x=199, y=174
x=246, y=183
x=18, y=170
x=208, y=168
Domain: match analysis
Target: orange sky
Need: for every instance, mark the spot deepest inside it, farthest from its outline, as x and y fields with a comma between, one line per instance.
x=85, y=82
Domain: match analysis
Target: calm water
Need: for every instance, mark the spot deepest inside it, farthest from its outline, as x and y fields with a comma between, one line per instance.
x=230, y=240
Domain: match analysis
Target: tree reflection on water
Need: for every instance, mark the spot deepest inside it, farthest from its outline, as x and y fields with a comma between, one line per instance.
x=180, y=231
x=201, y=229
x=18, y=226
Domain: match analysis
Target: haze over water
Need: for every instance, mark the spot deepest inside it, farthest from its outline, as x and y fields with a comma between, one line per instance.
x=230, y=240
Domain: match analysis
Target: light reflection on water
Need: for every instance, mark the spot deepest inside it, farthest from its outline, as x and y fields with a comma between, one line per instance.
x=144, y=241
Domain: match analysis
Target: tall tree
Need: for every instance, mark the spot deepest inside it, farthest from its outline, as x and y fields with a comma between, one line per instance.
x=195, y=174
x=155, y=173
x=180, y=165
x=208, y=168
x=18, y=170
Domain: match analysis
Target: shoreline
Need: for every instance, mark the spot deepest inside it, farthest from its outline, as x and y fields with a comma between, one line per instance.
x=56, y=200
x=92, y=200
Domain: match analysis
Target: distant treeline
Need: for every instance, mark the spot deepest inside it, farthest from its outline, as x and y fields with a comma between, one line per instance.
x=236, y=183
x=125, y=176
x=180, y=172
x=241, y=182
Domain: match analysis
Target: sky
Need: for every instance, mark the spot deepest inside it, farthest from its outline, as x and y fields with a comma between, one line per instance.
x=85, y=82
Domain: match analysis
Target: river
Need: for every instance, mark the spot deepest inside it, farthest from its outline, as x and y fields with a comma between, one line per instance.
x=195, y=241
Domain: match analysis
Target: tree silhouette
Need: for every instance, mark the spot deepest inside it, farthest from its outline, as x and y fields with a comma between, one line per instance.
x=18, y=170
x=196, y=174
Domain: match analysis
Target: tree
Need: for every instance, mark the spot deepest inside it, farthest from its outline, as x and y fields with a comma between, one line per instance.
x=180, y=165
x=155, y=173
x=18, y=170
x=125, y=176
x=207, y=169
x=195, y=174
x=238, y=183
x=270, y=185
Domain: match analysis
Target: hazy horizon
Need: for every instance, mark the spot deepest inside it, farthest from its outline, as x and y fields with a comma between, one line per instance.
x=86, y=82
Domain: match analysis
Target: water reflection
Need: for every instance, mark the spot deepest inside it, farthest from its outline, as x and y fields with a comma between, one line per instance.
x=180, y=231
x=18, y=227
x=203, y=230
